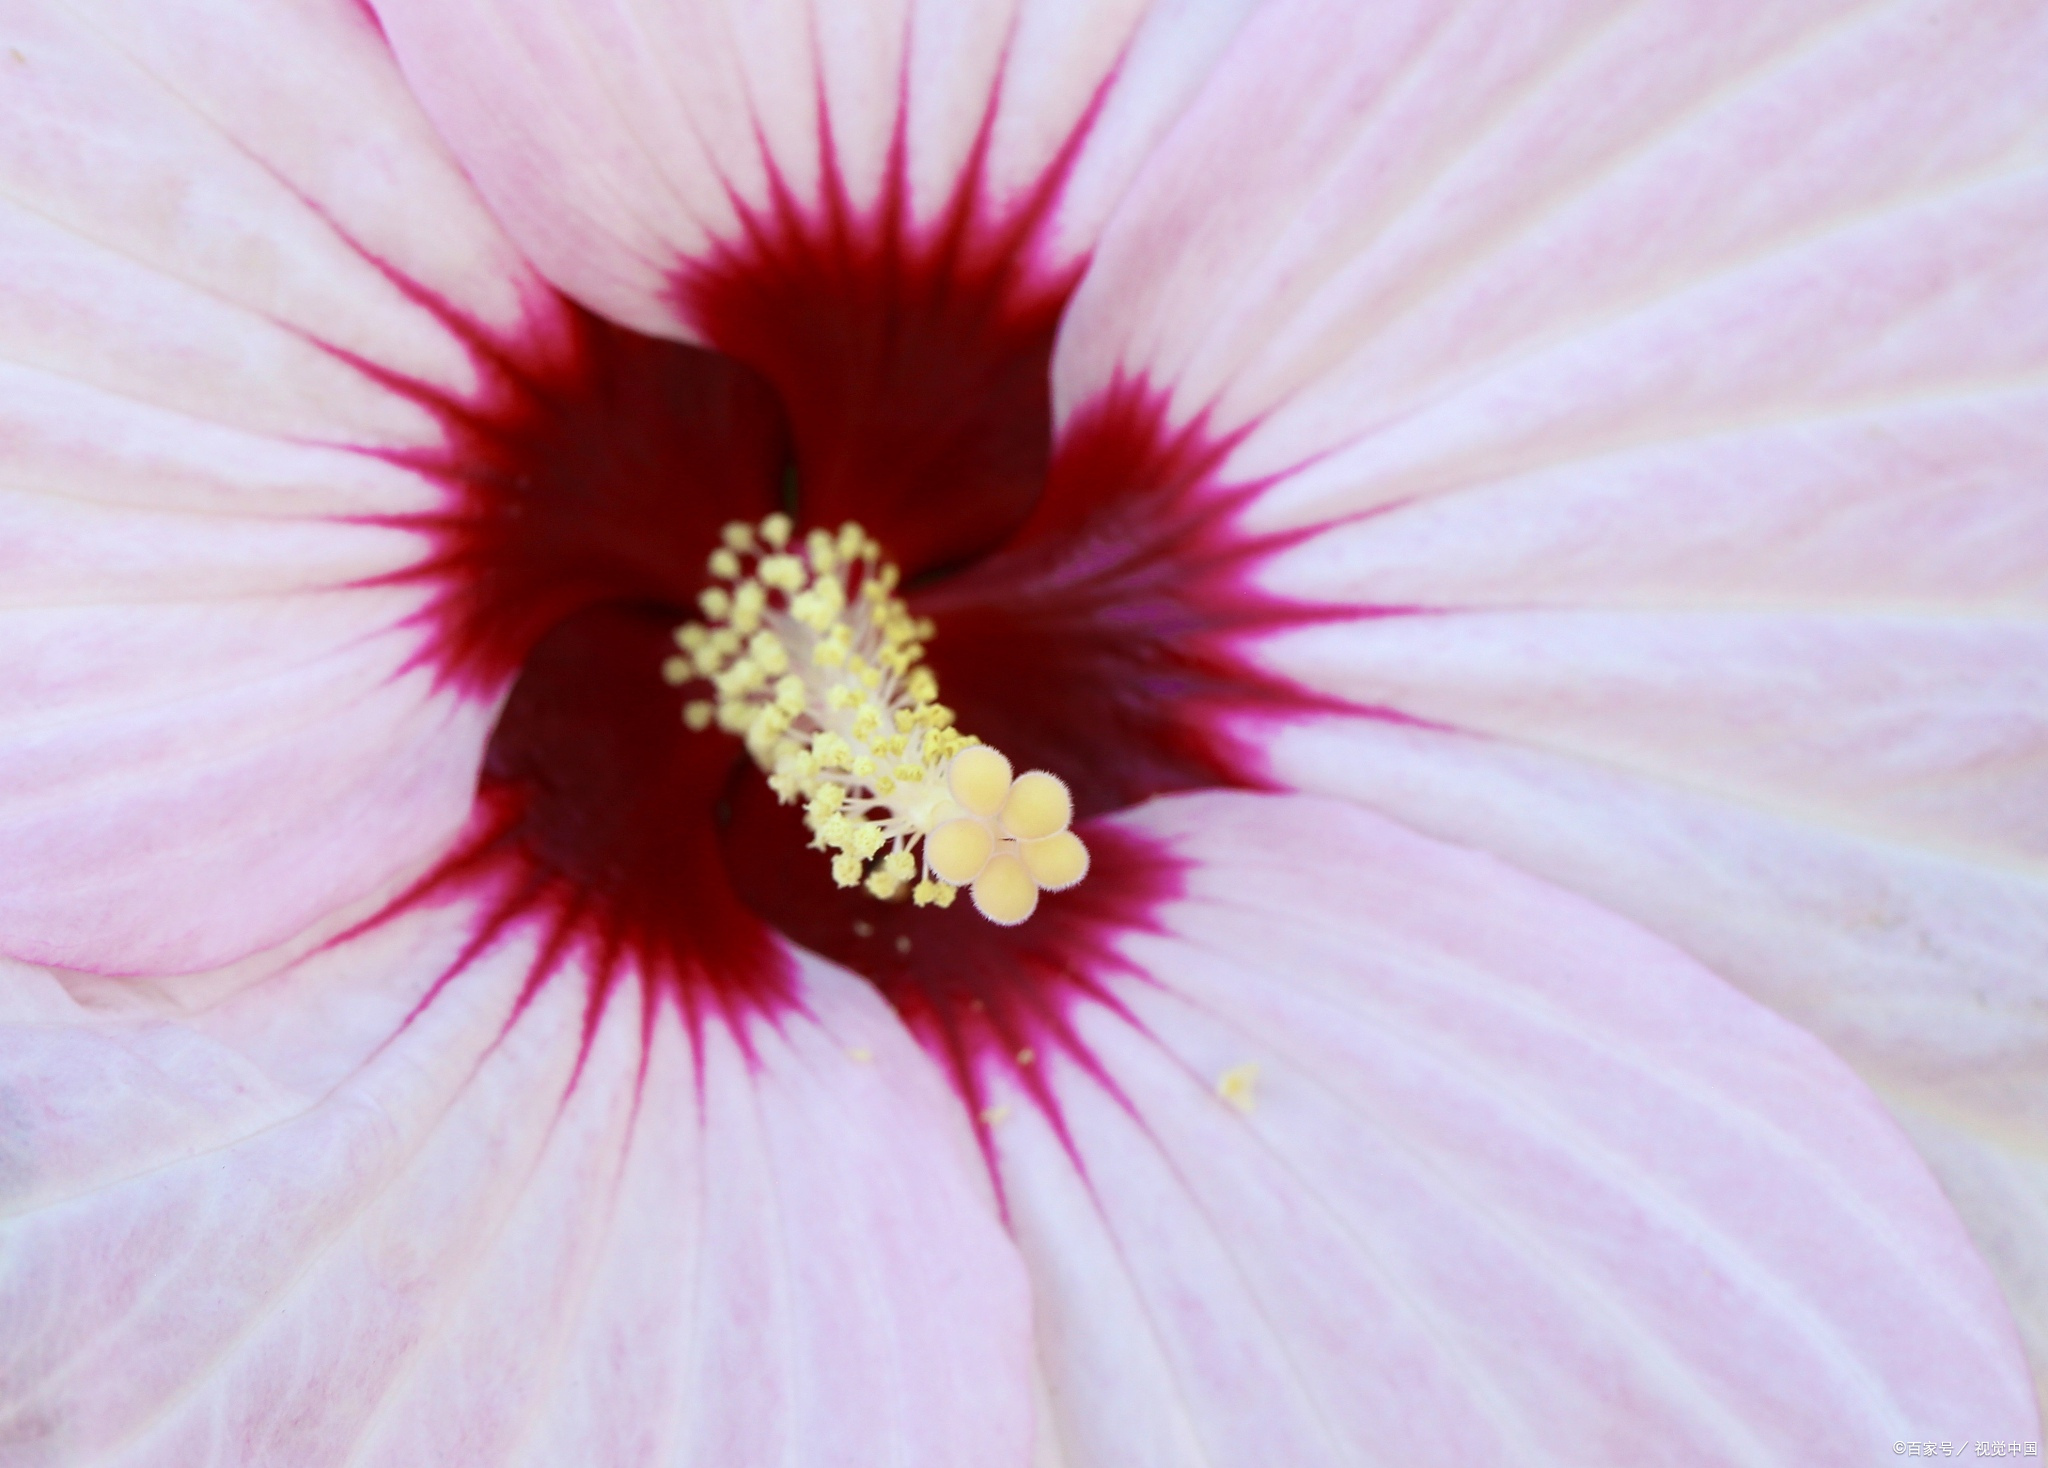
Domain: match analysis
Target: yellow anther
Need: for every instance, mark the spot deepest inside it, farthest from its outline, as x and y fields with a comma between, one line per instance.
x=716, y=602
x=698, y=714
x=846, y=869
x=775, y=530
x=739, y=535
x=832, y=751
x=881, y=884
x=824, y=558
x=676, y=671
x=784, y=573
x=900, y=864
x=766, y=649
x=867, y=840
x=799, y=765
x=724, y=564
x=691, y=636
x=741, y=678
x=749, y=600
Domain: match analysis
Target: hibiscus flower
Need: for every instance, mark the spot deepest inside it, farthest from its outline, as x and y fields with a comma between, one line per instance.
x=1515, y=527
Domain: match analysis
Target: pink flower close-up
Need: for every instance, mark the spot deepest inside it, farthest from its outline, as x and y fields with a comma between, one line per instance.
x=1023, y=733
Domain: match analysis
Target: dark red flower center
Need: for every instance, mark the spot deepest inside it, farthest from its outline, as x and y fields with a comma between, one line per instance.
x=1090, y=593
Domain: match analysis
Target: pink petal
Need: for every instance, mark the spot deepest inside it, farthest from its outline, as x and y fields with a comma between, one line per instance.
x=1895, y=507
x=1511, y=1175
x=1918, y=728
x=208, y=225
x=1920, y=965
x=1466, y=244
x=1673, y=379
x=619, y=140
x=295, y=1227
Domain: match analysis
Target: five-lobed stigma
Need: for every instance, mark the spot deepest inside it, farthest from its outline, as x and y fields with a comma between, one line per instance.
x=815, y=663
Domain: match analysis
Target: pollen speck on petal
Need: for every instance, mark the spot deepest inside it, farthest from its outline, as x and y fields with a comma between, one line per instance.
x=1238, y=1086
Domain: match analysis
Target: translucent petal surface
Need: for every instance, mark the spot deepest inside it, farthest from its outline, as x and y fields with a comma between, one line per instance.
x=1672, y=385
x=1467, y=241
x=1409, y=1156
x=293, y=1225
x=215, y=271
x=620, y=140
x=1921, y=967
